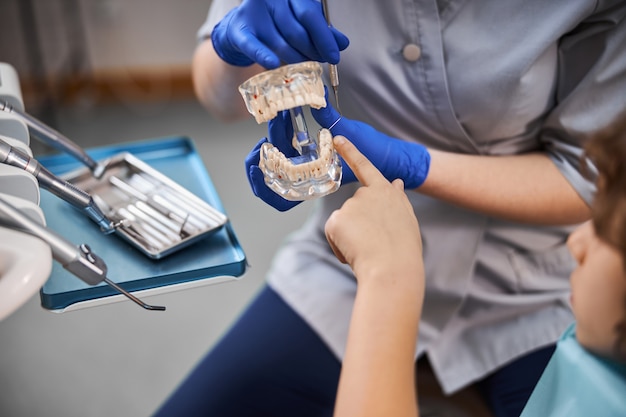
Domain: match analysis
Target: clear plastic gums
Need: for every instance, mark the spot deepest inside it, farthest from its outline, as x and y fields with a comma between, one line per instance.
x=316, y=171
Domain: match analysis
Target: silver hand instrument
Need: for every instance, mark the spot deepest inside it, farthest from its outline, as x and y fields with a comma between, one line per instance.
x=332, y=68
x=79, y=260
x=63, y=189
x=55, y=139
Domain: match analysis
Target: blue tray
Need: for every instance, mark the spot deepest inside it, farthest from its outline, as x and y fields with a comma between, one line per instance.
x=216, y=258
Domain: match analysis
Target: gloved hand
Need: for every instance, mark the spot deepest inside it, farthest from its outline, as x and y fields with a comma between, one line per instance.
x=393, y=157
x=270, y=31
x=280, y=132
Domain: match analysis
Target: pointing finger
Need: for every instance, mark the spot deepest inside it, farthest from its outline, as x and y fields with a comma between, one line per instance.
x=363, y=169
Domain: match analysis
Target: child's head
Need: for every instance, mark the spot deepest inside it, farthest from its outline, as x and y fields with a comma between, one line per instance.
x=599, y=281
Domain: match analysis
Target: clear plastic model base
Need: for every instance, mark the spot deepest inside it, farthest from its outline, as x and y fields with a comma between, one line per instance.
x=317, y=170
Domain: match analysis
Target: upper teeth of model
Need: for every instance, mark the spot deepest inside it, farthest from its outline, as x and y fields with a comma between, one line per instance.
x=284, y=88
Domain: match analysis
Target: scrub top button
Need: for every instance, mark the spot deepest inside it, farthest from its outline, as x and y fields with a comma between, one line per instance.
x=411, y=52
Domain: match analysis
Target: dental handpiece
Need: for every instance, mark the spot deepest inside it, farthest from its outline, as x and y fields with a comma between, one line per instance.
x=79, y=260
x=62, y=189
x=332, y=68
x=55, y=139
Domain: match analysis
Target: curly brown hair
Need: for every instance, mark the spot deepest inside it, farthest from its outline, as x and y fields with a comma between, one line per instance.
x=607, y=151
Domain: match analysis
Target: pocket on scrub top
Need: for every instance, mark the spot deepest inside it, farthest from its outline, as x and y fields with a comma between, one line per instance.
x=546, y=270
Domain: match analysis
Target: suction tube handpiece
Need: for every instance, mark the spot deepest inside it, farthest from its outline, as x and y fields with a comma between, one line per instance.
x=62, y=189
x=79, y=260
x=55, y=139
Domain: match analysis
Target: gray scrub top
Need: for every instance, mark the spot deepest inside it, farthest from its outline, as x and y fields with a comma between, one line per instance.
x=488, y=77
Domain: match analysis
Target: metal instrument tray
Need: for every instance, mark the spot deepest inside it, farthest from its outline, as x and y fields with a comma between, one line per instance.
x=215, y=257
x=165, y=216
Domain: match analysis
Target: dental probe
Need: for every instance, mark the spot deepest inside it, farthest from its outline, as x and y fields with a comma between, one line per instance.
x=62, y=189
x=332, y=68
x=79, y=260
x=55, y=139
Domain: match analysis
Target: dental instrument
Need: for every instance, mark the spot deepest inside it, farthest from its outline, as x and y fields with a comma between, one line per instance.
x=316, y=171
x=78, y=198
x=79, y=260
x=91, y=193
x=54, y=138
x=332, y=68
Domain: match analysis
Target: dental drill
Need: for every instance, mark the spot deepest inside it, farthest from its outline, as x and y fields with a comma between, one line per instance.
x=79, y=260
x=63, y=189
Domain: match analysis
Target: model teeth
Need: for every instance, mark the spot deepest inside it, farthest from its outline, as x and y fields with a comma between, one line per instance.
x=316, y=171
x=284, y=88
x=304, y=180
x=274, y=161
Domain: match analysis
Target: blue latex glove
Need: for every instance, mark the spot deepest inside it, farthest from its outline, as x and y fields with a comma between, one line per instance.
x=270, y=31
x=393, y=157
x=280, y=132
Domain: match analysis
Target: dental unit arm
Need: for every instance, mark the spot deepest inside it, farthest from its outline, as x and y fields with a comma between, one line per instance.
x=79, y=260
x=51, y=137
x=63, y=189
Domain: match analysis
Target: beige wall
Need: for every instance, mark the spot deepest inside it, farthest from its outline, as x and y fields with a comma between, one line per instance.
x=119, y=34
x=101, y=50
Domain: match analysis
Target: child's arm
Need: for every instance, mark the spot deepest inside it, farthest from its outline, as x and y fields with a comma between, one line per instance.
x=377, y=234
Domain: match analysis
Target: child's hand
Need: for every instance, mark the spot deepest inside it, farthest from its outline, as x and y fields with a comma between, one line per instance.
x=376, y=231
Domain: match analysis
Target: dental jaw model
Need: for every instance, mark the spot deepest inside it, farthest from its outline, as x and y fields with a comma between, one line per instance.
x=316, y=171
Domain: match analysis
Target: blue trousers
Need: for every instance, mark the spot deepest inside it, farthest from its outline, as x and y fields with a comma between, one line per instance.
x=271, y=363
